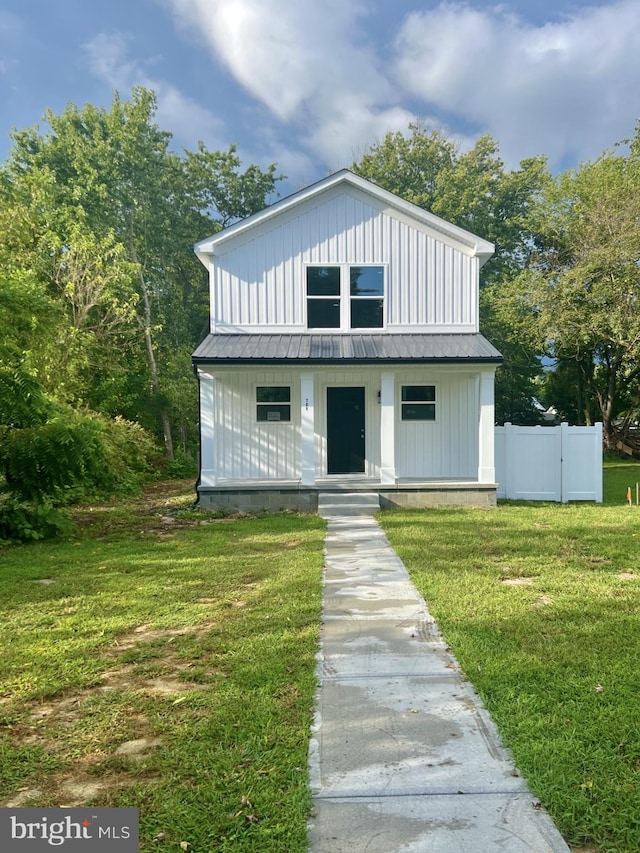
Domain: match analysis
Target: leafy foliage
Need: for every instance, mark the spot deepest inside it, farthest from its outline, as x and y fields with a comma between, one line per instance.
x=102, y=215
x=21, y=521
x=102, y=300
x=582, y=287
x=74, y=454
x=22, y=399
x=474, y=190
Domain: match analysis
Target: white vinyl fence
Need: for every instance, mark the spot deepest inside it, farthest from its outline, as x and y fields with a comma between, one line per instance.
x=561, y=463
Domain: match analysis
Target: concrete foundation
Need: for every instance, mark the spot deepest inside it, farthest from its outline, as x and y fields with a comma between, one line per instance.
x=305, y=499
x=254, y=500
x=460, y=494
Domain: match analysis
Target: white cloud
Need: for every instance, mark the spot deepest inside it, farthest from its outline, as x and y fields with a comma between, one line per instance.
x=334, y=85
x=309, y=64
x=284, y=53
x=567, y=89
x=108, y=59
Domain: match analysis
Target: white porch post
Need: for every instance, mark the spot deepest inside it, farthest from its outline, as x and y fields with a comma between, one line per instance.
x=486, y=432
x=308, y=475
x=387, y=428
x=207, y=429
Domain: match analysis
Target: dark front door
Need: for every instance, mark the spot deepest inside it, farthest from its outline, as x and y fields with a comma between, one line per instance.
x=345, y=430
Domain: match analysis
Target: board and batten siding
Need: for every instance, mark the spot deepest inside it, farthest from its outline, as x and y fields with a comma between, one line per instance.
x=446, y=448
x=245, y=448
x=258, y=282
x=249, y=450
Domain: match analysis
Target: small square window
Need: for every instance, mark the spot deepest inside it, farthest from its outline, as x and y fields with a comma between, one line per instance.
x=418, y=402
x=273, y=403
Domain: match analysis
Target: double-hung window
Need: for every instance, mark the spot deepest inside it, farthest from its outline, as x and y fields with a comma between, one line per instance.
x=418, y=402
x=345, y=297
x=323, y=297
x=366, y=287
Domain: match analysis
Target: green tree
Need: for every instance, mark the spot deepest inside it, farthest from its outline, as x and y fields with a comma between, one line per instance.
x=583, y=283
x=105, y=215
x=473, y=189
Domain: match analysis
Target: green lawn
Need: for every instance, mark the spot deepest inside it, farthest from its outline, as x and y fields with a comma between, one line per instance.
x=167, y=666
x=540, y=604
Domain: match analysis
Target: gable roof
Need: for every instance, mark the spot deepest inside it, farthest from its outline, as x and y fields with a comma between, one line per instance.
x=474, y=245
x=251, y=349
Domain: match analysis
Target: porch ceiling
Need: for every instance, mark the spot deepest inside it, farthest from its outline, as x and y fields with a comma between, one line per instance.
x=345, y=349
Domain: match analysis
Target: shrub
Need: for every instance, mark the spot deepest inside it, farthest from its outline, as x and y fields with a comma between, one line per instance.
x=25, y=522
x=130, y=450
x=180, y=467
x=41, y=461
x=73, y=456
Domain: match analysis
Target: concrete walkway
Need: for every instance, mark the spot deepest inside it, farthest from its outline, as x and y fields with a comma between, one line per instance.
x=403, y=755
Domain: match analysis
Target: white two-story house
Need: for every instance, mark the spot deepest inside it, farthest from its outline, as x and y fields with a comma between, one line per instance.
x=345, y=353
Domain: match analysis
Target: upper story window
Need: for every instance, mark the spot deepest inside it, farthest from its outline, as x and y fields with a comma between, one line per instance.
x=345, y=297
x=323, y=297
x=367, y=294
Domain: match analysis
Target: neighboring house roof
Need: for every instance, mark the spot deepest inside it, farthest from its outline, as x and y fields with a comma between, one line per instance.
x=350, y=348
x=473, y=244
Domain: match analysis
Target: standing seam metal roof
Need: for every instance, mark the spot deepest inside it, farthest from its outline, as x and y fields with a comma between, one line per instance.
x=352, y=348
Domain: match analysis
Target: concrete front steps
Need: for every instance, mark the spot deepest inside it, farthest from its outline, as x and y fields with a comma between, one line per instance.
x=335, y=504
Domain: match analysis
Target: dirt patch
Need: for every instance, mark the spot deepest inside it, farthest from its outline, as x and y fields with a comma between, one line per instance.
x=138, y=748
x=105, y=766
x=63, y=710
x=75, y=792
x=518, y=581
x=543, y=601
x=23, y=797
x=153, y=511
x=167, y=686
x=80, y=790
x=147, y=634
x=160, y=510
x=627, y=576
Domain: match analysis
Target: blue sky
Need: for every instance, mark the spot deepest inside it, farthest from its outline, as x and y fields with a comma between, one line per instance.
x=311, y=84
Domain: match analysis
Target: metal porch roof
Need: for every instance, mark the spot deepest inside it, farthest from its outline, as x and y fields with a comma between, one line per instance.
x=345, y=348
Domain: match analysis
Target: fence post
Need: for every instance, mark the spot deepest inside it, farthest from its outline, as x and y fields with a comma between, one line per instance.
x=508, y=460
x=597, y=461
x=564, y=452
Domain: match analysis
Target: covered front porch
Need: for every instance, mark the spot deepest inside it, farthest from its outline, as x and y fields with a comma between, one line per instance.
x=415, y=431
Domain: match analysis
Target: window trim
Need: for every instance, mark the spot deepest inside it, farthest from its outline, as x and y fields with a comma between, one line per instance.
x=345, y=297
x=262, y=405
x=430, y=404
